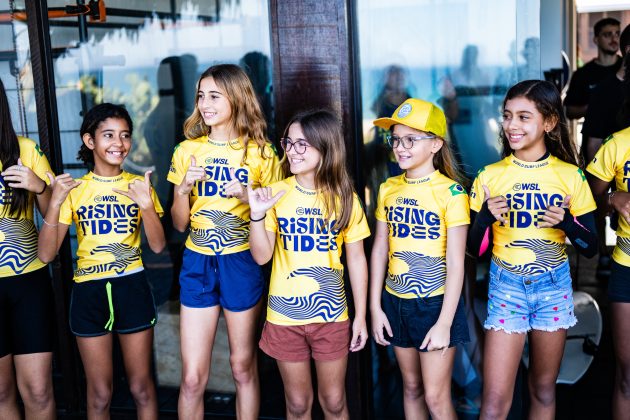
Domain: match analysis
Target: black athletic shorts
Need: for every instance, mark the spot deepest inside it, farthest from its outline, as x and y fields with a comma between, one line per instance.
x=118, y=304
x=26, y=313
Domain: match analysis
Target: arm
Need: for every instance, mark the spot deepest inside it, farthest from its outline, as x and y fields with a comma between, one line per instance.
x=439, y=336
x=140, y=193
x=480, y=228
x=20, y=176
x=581, y=231
x=52, y=232
x=261, y=241
x=378, y=268
x=180, y=211
x=358, y=272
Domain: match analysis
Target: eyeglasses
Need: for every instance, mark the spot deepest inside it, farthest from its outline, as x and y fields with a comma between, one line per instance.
x=299, y=145
x=407, y=141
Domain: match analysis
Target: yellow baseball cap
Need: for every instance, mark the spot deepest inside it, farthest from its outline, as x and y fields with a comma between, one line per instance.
x=418, y=114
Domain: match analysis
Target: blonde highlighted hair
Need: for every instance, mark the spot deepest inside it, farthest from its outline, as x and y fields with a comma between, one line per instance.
x=322, y=130
x=247, y=117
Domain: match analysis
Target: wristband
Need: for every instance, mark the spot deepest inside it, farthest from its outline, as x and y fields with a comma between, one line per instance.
x=258, y=220
x=44, y=189
x=50, y=224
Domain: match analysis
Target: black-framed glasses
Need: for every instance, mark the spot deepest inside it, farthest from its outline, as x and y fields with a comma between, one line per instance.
x=407, y=141
x=299, y=145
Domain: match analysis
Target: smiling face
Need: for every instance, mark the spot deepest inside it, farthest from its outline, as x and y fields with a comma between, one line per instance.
x=418, y=160
x=524, y=127
x=213, y=104
x=110, y=145
x=306, y=163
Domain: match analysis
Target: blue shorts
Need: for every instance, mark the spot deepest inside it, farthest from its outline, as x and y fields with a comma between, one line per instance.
x=619, y=283
x=411, y=320
x=518, y=303
x=233, y=281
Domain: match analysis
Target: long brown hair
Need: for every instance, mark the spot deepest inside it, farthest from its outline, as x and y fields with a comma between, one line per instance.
x=322, y=130
x=445, y=162
x=547, y=100
x=9, y=154
x=247, y=117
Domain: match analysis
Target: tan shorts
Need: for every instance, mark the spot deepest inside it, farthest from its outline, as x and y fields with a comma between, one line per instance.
x=296, y=343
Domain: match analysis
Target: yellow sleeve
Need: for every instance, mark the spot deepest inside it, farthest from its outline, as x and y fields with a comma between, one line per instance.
x=38, y=163
x=270, y=170
x=476, y=193
x=357, y=228
x=457, y=208
x=582, y=200
x=156, y=203
x=604, y=165
x=379, y=212
x=65, y=212
x=179, y=166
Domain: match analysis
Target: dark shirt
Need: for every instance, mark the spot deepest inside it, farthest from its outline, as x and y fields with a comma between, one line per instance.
x=606, y=101
x=585, y=79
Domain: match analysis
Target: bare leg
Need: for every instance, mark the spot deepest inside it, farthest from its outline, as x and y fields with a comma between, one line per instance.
x=413, y=389
x=436, y=375
x=298, y=391
x=137, y=349
x=331, y=386
x=545, y=354
x=96, y=355
x=621, y=341
x=8, y=404
x=34, y=380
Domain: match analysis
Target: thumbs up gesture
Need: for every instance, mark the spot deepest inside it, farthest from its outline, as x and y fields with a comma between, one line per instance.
x=554, y=215
x=498, y=206
x=193, y=174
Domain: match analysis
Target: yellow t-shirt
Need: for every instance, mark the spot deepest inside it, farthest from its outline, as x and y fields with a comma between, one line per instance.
x=530, y=188
x=18, y=236
x=307, y=276
x=220, y=225
x=417, y=213
x=108, y=226
x=612, y=161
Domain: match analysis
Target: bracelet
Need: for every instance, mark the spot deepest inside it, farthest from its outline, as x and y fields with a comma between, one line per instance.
x=610, y=197
x=43, y=189
x=50, y=224
x=258, y=220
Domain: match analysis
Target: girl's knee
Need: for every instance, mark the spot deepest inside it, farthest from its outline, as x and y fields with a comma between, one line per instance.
x=413, y=389
x=243, y=369
x=333, y=403
x=193, y=384
x=495, y=405
x=438, y=400
x=99, y=397
x=142, y=390
x=39, y=396
x=544, y=391
x=299, y=405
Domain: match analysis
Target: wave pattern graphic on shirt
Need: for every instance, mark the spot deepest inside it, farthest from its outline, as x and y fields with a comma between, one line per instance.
x=329, y=301
x=124, y=256
x=624, y=244
x=548, y=255
x=19, y=247
x=229, y=231
x=425, y=274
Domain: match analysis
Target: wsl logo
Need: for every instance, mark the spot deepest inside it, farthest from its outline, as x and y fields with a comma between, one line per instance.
x=526, y=186
x=306, y=211
x=404, y=201
x=106, y=199
x=217, y=174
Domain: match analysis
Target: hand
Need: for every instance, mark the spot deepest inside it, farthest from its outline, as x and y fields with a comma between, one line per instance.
x=20, y=176
x=61, y=187
x=261, y=200
x=193, y=174
x=620, y=201
x=498, y=206
x=233, y=188
x=139, y=192
x=554, y=215
x=380, y=322
x=438, y=338
x=359, y=334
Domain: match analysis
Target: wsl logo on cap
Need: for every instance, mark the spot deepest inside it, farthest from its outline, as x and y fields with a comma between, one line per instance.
x=404, y=110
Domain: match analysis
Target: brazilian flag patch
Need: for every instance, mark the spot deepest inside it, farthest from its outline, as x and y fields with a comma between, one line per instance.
x=607, y=139
x=456, y=189
x=582, y=174
x=176, y=147
x=38, y=150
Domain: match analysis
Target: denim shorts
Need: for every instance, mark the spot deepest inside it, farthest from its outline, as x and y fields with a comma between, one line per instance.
x=411, y=320
x=518, y=303
x=233, y=281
